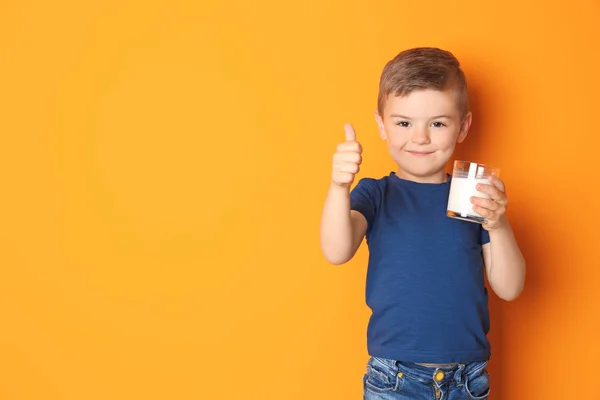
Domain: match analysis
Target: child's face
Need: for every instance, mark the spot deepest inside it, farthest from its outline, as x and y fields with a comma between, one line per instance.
x=421, y=131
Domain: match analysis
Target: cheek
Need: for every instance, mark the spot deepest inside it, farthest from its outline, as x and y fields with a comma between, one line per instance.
x=395, y=142
x=396, y=138
x=446, y=139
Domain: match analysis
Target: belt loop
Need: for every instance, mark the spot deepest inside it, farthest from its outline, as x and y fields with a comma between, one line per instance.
x=459, y=373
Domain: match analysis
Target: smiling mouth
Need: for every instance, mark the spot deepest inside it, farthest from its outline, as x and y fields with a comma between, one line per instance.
x=421, y=153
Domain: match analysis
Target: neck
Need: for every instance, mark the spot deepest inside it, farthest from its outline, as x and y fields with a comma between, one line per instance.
x=438, y=177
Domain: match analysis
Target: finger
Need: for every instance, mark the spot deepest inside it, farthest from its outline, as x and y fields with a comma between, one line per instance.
x=349, y=147
x=484, y=212
x=350, y=134
x=351, y=168
x=352, y=157
x=497, y=182
x=491, y=191
x=343, y=177
x=485, y=203
x=488, y=225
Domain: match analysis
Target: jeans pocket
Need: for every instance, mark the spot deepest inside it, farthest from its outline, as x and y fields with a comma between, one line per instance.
x=380, y=379
x=477, y=385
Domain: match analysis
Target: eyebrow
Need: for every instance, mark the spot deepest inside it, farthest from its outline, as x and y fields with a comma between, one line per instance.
x=405, y=117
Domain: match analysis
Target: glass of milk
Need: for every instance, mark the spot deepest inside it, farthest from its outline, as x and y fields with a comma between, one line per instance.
x=465, y=176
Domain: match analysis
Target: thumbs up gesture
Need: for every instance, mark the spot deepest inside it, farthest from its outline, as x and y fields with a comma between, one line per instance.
x=347, y=159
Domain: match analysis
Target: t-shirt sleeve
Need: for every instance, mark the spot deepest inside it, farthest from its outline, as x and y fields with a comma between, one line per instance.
x=365, y=198
x=484, y=236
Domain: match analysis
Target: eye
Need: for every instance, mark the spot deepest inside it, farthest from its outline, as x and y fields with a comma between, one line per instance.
x=403, y=124
x=438, y=124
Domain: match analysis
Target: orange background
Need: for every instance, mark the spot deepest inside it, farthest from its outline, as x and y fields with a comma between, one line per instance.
x=164, y=165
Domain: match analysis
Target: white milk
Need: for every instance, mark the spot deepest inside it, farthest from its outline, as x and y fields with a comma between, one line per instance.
x=459, y=201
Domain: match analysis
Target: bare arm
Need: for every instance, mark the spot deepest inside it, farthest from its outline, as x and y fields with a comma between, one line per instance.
x=504, y=264
x=342, y=229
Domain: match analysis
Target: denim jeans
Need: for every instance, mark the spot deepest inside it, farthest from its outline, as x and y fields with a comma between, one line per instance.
x=395, y=380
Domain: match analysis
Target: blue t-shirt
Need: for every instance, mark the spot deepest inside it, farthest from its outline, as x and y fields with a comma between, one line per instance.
x=425, y=278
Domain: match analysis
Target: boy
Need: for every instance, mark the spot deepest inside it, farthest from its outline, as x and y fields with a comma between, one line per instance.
x=427, y=335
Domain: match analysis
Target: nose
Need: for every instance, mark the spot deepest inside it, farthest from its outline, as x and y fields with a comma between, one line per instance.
x=420, y=136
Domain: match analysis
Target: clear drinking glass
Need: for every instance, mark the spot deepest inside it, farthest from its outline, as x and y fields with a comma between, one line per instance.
x=465, y=176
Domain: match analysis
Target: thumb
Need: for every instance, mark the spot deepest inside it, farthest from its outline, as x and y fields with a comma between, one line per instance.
x=350, y=134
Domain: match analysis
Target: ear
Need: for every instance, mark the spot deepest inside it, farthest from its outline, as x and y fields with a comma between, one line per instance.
x=379, y=121
x=464, y=128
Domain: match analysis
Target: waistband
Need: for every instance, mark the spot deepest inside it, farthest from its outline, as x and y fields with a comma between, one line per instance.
x=439, y=375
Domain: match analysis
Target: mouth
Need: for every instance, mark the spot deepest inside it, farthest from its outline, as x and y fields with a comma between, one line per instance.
x=420, y=153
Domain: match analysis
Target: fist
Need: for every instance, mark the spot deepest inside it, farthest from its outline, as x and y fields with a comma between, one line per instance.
x=347, y=159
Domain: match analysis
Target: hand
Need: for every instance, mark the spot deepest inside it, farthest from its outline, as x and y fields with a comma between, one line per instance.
x=347, y=159
x=494, y=208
